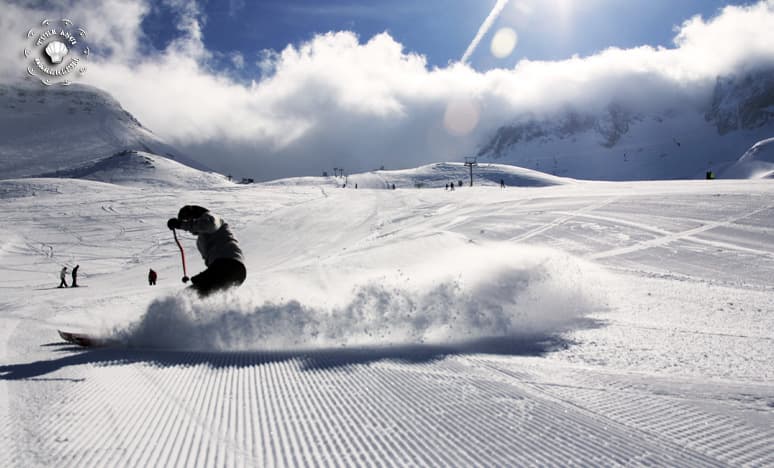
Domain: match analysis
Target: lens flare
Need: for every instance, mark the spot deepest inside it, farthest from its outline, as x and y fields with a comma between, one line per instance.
x=503, y=42
x=461, y=116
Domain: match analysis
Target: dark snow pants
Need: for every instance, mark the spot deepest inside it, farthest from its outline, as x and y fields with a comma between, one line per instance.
x=224, y=273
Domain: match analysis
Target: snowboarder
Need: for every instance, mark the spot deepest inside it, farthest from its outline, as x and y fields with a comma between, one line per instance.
x=75, y=276
x=152, y=277
x=63, y=277
x=218, y=247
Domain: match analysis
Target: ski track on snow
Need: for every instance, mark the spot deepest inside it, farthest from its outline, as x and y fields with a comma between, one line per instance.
x=687, y=234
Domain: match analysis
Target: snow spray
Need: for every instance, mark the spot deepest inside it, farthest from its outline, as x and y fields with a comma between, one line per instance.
x=504, y=291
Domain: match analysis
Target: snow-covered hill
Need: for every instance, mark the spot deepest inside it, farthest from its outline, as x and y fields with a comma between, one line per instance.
x=140, y=168
x=434, y=176
x=49, y=129
x=625, y=142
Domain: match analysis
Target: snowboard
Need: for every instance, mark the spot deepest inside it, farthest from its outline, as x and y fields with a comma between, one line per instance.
x=83, y=339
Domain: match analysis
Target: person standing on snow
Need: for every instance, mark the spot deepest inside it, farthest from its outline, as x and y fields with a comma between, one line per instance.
x=152, y=277
x=218, y=247
x=63, y=277
x=75, y=276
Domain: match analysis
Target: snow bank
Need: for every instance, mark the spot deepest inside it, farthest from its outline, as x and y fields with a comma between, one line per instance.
x=756, y=163
x=498, y=291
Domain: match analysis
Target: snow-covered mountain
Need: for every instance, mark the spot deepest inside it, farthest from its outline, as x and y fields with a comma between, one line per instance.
x=624, y=142
x=44, y=130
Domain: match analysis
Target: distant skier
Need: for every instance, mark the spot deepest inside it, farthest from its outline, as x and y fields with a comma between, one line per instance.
x=502, y=183
x=218, y=247
x=152, y=277
x=75, y=276
x=63, y=277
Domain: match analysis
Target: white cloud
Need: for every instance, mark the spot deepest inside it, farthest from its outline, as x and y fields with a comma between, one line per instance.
x=339, y=101
x=237, y=59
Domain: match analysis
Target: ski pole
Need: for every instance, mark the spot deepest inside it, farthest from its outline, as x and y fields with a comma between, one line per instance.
x=182, y=255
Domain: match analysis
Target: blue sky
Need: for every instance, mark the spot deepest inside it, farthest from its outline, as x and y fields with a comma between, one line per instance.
x=440, y=30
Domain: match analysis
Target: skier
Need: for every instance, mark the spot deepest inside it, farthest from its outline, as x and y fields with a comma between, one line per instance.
x=152, y=277
x=62, y=277
x=218, y=247
x=75, y=276
x=502, y=183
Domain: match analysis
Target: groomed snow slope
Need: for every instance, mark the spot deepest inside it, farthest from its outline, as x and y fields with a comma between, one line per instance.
x=591, y=324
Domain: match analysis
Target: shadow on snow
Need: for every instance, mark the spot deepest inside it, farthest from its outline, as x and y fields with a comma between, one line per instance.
x=306, y=360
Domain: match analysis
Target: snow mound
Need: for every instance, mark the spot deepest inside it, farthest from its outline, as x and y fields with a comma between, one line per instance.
x=756, y=163
x=140, y=168
x=434, y=176
x=543, y=293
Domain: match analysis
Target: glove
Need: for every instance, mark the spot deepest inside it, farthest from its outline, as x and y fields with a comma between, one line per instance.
x=173, y=223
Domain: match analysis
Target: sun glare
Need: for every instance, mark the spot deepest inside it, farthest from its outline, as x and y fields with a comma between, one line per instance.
x=564, y=10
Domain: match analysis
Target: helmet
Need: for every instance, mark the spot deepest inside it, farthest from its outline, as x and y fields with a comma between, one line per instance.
x=191, y=212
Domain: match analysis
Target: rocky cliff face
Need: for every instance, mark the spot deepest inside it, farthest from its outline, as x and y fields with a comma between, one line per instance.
x=744, y=102
x=609, y=126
